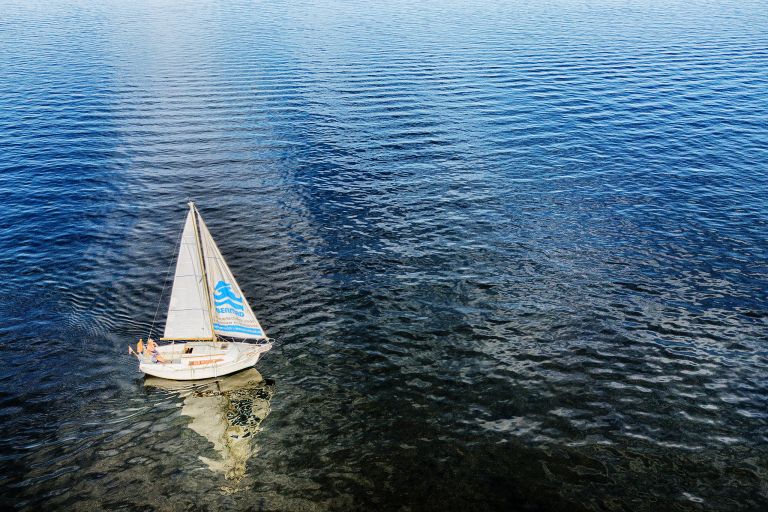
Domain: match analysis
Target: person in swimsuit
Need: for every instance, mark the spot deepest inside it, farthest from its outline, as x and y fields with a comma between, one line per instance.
x=152, y=349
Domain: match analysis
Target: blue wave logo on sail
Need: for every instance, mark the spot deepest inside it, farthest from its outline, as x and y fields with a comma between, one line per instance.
x=227, y=301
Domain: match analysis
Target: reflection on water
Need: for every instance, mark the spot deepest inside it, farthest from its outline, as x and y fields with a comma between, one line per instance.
x=226, y=411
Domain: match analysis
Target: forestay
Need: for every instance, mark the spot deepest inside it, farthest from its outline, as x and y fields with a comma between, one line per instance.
x=232, y=315
x=188, y=315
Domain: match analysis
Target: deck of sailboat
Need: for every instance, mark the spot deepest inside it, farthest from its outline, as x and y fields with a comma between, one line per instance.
x=194, y=351
x=197, y=360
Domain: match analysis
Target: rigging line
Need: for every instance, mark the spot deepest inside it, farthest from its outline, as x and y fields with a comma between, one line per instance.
x=165, y=282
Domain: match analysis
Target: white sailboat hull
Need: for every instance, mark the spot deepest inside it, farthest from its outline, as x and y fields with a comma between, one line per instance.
x=195, y=360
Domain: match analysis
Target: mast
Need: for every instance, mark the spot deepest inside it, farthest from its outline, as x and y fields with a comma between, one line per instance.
x=195, y=213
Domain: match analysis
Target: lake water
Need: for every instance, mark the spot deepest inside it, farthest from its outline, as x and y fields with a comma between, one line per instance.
x=514, y=253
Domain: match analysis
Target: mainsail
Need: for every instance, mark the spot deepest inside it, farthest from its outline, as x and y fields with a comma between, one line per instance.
x=188, y=312
x=231, y=314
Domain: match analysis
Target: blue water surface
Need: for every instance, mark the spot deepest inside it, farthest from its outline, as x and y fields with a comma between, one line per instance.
x=515, y=253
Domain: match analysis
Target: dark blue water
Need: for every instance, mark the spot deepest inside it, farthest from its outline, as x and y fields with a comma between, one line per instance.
x=514, y=253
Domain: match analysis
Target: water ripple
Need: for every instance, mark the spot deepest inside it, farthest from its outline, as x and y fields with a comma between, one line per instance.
x=514, y=253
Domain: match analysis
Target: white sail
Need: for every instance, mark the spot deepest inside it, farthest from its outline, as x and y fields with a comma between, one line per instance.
x=188, y=315
x=232, y=315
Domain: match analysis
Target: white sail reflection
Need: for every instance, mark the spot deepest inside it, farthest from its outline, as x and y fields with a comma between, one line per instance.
x=228, y=412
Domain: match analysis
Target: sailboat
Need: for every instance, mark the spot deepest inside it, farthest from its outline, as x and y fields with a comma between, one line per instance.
x=211, y=326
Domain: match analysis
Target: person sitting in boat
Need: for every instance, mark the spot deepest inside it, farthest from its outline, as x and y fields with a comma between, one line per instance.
x=153, y=349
